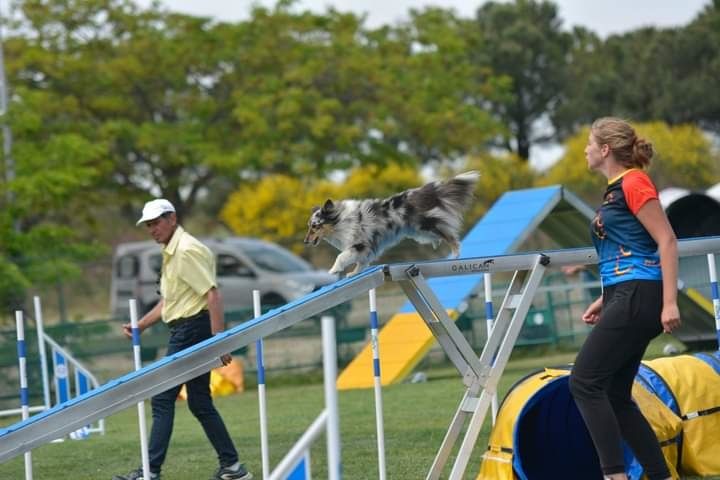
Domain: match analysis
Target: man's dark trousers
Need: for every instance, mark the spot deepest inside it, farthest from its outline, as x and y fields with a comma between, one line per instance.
x=187, y=333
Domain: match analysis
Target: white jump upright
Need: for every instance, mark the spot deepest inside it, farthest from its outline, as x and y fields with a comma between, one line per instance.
x=141, y=405
x=715, y=293
x=296, y=463
x=24, y=394
x=41, y=348
x=331, y=397
x=264, y=448
x=487, y=282
x=379, y=423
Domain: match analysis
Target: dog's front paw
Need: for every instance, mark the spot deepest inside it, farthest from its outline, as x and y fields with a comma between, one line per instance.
x=335, y=271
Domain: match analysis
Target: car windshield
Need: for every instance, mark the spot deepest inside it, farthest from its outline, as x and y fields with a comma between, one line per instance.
x=276, y=259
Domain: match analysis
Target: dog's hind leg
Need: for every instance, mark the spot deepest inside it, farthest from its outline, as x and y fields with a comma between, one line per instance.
x=445, y=233
x=344, y=260
x=454, y=247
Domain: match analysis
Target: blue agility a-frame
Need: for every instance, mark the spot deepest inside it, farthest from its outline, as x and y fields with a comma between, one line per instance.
x=508, y=224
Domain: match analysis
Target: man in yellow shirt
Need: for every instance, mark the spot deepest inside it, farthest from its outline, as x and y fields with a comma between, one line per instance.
x=191, y=306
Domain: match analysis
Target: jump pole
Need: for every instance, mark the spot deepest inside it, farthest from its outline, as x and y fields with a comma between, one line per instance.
x=379, y=424
x=715, y=293
x=41, y=348
x=24, y=396
x=141, y=405
x=331, y=397
x=489, y=315
x=264, y=448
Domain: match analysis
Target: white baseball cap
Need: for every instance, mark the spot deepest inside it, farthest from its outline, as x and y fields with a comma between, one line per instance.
x=154, y=208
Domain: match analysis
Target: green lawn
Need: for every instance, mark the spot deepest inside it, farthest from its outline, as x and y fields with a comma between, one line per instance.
x=416, y=419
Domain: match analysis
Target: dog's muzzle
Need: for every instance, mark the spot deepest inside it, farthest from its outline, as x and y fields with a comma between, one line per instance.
x=312, y=239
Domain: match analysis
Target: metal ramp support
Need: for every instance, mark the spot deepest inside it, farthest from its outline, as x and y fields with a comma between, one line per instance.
x=480, y=375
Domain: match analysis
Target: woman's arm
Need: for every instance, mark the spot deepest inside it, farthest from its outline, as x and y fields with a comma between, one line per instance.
x=653, y=218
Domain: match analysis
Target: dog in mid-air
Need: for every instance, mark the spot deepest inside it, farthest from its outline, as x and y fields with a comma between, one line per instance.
x=363, y=229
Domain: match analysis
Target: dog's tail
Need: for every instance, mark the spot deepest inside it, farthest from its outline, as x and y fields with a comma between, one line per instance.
x=458, y=191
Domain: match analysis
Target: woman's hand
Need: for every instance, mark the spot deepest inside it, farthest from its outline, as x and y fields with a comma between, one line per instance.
x=670, y=317
x=592, y=313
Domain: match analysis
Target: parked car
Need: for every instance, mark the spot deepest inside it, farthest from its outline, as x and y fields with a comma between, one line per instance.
x=243, y=264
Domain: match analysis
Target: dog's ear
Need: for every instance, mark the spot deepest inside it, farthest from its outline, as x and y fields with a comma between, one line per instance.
x=314, y=209
x=329, y=205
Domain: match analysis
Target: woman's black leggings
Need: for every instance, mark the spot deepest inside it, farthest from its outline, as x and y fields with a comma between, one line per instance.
x=602, y=377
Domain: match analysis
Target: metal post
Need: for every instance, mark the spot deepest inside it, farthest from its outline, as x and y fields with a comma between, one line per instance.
x=141, y=404
x=24, y=396
x=379, y=423
x=331, y=398
x=715, y=294
x=41, y=348
x=487, y=281
x=264, y=448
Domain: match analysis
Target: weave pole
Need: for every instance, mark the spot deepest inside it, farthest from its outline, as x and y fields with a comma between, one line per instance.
x=264, y=448
x=24, y=394
x=489, y=315
x=141, y=405
x=715, y=293
x=331, y=397
x=379, y=424
x=41, y=348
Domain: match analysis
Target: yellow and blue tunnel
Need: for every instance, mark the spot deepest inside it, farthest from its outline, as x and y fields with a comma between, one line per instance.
x=540, y=434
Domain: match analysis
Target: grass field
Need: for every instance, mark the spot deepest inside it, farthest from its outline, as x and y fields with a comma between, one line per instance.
x=416, y=419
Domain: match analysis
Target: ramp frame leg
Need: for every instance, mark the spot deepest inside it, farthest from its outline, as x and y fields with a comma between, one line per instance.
x=480, y=375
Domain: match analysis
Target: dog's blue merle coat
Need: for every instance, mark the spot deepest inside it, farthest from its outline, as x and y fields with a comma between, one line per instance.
x=363, y=229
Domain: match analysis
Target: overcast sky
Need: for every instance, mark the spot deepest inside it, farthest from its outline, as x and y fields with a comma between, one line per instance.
x=603, y=17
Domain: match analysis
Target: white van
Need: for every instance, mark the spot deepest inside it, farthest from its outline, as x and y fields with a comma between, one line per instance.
x=243, y=264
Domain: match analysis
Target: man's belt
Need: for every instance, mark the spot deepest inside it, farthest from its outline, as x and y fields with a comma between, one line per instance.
x=202, y=314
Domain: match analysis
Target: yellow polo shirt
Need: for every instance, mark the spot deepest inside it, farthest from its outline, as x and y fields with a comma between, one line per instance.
x=188, y=273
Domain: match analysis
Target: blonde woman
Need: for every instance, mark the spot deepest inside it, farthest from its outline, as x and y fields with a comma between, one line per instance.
x=637, y=259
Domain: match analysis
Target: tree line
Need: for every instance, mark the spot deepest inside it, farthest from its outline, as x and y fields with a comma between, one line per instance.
x=111, y=104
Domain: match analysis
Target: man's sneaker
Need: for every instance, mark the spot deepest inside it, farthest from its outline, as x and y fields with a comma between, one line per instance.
x=137, y=475
x=226, y=473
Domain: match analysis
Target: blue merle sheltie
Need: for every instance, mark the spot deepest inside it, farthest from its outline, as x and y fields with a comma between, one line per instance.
x=363, y=229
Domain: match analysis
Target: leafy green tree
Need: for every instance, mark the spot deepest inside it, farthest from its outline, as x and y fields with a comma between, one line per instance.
x=433, y=105
x=695, y=70
x=144, y=85
x=313, y=93
x=45, y=210
x=523, y=40
x=646, y=74
x=592, y=84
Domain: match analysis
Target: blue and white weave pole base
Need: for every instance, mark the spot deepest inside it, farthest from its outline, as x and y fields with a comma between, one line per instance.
x=262, y=399
x=141, y=405
x=24, y=393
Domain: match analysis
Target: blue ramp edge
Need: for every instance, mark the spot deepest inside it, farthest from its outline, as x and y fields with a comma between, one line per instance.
x=188, y=351
x=501, y=231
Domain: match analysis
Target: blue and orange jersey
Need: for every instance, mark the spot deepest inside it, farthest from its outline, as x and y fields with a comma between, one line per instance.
x=626, y=251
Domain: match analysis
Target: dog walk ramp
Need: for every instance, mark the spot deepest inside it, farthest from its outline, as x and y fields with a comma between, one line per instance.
x=173, y=370
x=405, y=339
